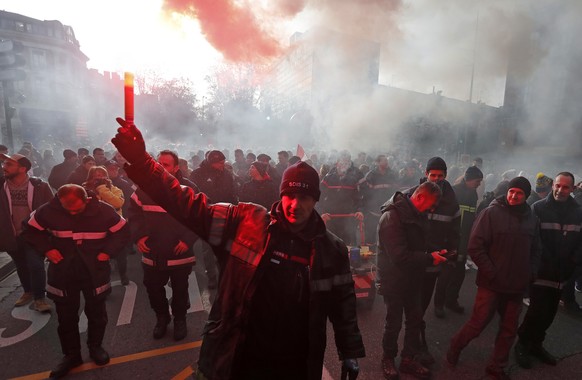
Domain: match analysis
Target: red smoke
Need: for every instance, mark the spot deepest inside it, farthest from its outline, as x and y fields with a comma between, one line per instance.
x=232, y=27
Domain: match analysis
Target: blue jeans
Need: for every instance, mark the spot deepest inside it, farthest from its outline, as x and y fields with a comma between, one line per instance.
x=30, y=268
x=487, y=303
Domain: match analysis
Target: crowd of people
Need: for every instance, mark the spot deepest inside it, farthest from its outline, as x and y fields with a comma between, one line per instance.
x=272, y=237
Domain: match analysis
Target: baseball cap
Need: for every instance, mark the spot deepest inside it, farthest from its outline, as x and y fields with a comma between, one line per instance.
x=18, y=158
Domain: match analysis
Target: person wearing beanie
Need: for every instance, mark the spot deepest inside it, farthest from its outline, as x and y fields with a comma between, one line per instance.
x=60, y=172
x=543, y=188
x=560, y=218
x=505, y=245
x=260, y=188
x=444, y=222
x=453, y=274
x=282, y=273
x=340, y=196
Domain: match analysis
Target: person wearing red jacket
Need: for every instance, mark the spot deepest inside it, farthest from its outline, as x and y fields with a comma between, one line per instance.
x=283, y=275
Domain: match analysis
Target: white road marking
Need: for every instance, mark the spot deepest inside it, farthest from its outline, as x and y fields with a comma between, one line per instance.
x=24, y=313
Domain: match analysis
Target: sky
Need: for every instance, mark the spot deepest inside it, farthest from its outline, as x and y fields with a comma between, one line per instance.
x=422, y=47
x=128, y=35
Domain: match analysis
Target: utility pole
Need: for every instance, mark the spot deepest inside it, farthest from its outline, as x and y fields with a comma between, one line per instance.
x=474, y=58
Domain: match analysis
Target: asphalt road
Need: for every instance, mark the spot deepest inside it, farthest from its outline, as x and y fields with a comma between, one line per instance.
x=29, y=345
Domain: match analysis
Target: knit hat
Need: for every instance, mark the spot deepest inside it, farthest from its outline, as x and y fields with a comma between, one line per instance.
x=300, y=178
x=543, y=183
x=68, y=153
x=473, y=172
x=19, y=159
x=215, y=156
x=436, y=163
x=261, y=167
x=521, y=183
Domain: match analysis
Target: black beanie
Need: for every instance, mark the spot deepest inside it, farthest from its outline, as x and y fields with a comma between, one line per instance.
x=300, y=178
x=436, y=163
x=473, y=172
x=520, y=183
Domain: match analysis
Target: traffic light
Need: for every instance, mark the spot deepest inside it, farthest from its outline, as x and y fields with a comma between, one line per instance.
x=10, y=60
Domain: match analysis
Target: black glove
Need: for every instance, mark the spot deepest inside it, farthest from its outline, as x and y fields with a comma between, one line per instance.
x=129, y=142
x=350, y=366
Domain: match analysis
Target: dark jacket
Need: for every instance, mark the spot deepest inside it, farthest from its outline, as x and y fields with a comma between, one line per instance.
x=402, y=248
x=444, y=222
x=376, y=188
x=217, y=185
x=533, y=198
x=78, y=176
x=163, y=231
x=39, y=192
x=241, y=236
x=83, y=236
x=467, y=199
x=505, y=245
x=263, y=193
x=339, y=194
x=561, y=238
x=60, y=173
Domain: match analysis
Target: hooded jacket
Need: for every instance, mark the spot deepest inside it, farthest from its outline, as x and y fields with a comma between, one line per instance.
x=561, y=238
x=242, y=236
x=402, y=249
x=505, y=245
x=83, y=236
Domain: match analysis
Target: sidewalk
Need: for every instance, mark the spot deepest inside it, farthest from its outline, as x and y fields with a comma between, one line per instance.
x=6, y=265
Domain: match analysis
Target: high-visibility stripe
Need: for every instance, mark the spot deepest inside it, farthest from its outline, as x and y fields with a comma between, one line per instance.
x=297, y=259
x=338, y=186
x=153, y=208
x=79, y=235
x=33, y=222
x=559, y=227
x=148, y=208
x=119, y=225
x=218, y=223
x=381, y=186
x=147, y=261
x=327, y=283
x=549, y=284
x=186, y=260
x=467, y=208
x=245, y=254
x=55, y=291
x=441, y=218
x=102, y=288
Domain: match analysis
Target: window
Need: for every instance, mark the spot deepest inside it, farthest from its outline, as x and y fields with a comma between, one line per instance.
x=38, y=58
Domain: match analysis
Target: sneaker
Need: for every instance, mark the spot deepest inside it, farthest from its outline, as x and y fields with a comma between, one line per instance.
x=578, y=287
x=526, y=301
x=67, y=363
x=389, y=369
x=24, y=299
x=414, y=368
x=522, y=355
x=543, y=355
x=41, y=305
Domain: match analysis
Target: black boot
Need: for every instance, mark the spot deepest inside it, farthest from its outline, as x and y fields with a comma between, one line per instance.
x=99, y=355
x=68, y=362
x=161, y=326
x=522, y=356
x=424, y=357
x=541, y=353
x=180, y=328
x=389, y=369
